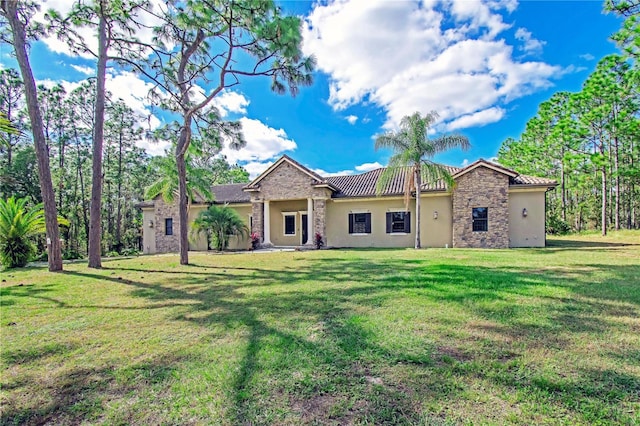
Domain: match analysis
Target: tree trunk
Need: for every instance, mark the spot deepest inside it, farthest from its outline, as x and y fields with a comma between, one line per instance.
x=563, y=188
x=616, y=164
x=418, y=184
x=95, y=225
x=604, y=201
x=119, y=194
x=182, y=208
x=79, y=166
x=10, y=10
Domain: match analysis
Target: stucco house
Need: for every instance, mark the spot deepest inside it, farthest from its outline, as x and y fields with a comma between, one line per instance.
x=489, y=206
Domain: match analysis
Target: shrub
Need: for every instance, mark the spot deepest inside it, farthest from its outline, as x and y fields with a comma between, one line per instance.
x=130, y=252
x=319, y=242
x=71, y=254
x=255, y=240
x=557, y=226
x=220, y=223
x=17, y=227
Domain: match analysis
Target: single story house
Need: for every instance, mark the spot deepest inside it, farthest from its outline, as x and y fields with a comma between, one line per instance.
x=489, y=206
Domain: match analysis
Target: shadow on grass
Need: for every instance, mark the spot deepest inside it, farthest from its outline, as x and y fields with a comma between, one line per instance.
x=559, y=245
x=339, y=369
x=78, y=396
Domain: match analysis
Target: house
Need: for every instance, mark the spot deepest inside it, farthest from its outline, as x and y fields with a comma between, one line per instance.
x=489, y=206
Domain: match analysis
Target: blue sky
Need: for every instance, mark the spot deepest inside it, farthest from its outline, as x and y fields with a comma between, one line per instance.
x=484, y=66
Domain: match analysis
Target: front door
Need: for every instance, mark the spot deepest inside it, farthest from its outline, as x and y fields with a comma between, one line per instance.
x=305, y=235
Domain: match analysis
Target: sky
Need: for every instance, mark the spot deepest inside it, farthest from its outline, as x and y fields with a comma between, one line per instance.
x=483, y=66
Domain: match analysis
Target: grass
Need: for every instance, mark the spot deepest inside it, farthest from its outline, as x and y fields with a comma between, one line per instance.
x=338, y=337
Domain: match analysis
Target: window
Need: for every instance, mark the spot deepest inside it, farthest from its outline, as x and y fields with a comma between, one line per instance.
x=290, y=224
x=168, y=226
x=398, y=222
x=480, y=216
x=359, y=223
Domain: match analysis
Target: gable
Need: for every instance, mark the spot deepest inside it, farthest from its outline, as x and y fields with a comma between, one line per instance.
x=481, y=163
x=285, y=182
x=291, y=162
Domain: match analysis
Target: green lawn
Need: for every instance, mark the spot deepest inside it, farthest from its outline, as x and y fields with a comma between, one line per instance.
x=433, y=336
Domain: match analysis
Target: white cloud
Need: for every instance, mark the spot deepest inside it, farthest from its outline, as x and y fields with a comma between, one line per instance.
x=264, y=144
x=362, y=168
x=231, y=102
x=587, y=57
x=133, y=91
x=324, y=173
x=531, y=45
x=143, y=33
x=367, y=167
x=84, y=70
x=405, y=56
x=477, y=119
x=465, y=163
x=351, y=119
x=255, y=168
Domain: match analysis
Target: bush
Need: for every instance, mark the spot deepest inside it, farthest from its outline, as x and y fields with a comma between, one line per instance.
x=130, y=252
x=15, y=252
x=17, y=226
x=71, y=254
x=557, y=226
x=112, y=254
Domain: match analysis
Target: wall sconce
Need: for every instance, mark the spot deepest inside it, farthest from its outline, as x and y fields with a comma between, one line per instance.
x=524, y=212
x=435, y=214
x=150, y=224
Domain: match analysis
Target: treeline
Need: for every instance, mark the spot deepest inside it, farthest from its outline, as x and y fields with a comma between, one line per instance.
x=128, y=173
x=589, y=142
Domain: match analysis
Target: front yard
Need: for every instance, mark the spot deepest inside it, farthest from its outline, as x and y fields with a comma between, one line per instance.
x=339, y=337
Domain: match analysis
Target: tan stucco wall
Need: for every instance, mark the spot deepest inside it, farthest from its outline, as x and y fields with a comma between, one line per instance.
x=242, y=243
x=276, y=208
x=196, y=242
x=148, y=233
x=527, y=231
x=434, y=233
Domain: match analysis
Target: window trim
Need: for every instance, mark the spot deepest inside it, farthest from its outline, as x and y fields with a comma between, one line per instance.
x=352, y=222
x=167, y=221
x=406, y=220
x=284, y=223
x=480, y=220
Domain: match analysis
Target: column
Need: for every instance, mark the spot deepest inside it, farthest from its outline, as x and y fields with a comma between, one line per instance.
x=311, y=235
x=267, y=224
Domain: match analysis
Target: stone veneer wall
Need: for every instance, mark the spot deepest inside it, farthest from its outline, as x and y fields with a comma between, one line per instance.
x=481, y=187
x=257, y=218
x=319, y=219
x=166, y=243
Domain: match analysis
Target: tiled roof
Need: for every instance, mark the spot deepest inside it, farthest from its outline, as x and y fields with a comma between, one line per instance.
x=365, y=185
x=230, y=193
x=532, y=180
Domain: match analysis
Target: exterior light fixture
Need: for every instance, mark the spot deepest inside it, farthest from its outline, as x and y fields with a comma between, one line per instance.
x=524, y=212
x=150, y=224
x=435, y=214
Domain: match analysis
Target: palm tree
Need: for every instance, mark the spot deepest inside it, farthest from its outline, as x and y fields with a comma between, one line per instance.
x=167, y=184
x=17, y=226
x=220, y=223
x=412, y=154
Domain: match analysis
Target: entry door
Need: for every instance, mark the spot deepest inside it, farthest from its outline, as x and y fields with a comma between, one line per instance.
x=305, y=235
